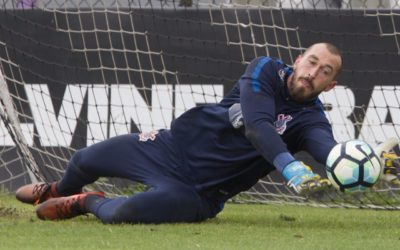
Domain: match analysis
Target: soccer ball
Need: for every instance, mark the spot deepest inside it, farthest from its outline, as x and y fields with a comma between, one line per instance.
x=353, y=166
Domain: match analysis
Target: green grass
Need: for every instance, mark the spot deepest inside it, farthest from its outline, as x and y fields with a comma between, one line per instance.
x=237, y=227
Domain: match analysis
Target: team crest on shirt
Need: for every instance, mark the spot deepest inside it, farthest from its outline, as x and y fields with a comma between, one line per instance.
x=281, y=74
x=145, y=136
x=280, y=123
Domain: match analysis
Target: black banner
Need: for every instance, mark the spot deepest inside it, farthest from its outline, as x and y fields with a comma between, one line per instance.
x=201, y=46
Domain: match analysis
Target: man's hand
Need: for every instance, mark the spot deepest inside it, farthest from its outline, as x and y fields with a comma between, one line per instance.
x=390, y=161
x=301, y=178
x=391, y=168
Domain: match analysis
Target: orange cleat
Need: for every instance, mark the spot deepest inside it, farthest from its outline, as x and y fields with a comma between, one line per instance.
x=64, y=207
x=37, y=193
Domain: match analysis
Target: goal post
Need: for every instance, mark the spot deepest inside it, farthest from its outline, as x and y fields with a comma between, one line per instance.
x=78, y=72
x=10, y=120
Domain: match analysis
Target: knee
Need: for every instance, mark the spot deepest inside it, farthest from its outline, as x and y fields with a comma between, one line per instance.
x=82, y=158
x=123, y=213
x=74, y=161
x=163, y=208
x=80, y=162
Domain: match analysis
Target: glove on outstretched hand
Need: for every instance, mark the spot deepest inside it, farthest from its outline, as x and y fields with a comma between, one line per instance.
x=390, y=161
x=301, y=178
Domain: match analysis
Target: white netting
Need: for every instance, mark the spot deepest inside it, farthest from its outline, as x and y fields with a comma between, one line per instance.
x=79, y=72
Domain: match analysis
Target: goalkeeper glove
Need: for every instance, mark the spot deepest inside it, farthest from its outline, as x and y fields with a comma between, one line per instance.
x=391, y=167
x=390, y=161
x=301, y=178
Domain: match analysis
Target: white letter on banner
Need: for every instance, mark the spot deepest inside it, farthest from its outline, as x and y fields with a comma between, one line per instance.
x=187, y=95
x=341, y=100
x=5, y=138
x=384, y=99
x=97, y=113
x=52, y=130
x=129, y=105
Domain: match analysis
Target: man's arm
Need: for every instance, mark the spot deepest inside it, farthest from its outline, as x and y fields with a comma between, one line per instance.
x=258, y=90
x=257, y=97
x=390, y=160
x=318, y=141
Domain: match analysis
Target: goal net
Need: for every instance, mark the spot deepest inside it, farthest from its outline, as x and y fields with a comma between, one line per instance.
x=73, y=73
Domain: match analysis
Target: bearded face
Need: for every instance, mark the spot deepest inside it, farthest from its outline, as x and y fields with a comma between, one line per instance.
x=314, y=72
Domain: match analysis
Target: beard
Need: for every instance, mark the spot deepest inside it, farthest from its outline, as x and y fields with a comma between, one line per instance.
x=301, y=92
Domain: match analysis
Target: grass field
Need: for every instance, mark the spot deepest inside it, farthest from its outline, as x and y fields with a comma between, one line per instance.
x=237, y=227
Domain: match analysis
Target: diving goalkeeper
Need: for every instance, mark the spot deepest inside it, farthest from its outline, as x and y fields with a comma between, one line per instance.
x=211, y=152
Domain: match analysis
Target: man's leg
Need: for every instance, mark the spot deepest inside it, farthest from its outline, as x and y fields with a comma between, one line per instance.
x=168, y=201
x=107, y=158
x=122, y=156
x=127, y=156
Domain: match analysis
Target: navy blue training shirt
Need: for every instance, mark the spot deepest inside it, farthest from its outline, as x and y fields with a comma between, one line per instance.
x=250, y=128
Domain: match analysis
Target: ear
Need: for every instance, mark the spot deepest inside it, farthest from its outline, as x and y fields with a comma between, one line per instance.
x=330, y=86
x=298, y=58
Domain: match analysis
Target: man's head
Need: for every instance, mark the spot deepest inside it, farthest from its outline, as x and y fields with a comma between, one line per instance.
x=315, y=71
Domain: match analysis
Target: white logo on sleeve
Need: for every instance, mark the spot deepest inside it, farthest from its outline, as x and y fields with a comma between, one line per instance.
x=280, y=123
x=145, y=136
x=236, y=116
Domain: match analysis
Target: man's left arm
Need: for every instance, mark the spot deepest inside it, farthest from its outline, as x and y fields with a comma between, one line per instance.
x=318, y=141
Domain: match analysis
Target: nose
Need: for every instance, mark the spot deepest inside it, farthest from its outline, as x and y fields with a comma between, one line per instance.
x=313, y=72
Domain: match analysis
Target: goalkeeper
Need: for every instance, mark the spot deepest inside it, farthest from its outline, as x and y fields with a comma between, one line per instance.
x=211, y=152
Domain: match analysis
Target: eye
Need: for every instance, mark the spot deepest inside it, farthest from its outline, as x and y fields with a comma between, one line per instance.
x=312, y=62
x=327, y=71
